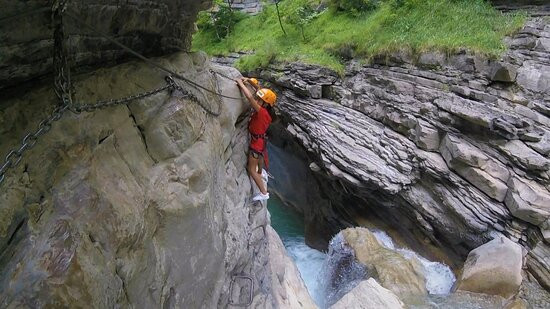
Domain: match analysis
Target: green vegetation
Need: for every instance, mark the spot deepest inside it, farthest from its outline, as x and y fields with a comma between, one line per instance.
x=369, y=28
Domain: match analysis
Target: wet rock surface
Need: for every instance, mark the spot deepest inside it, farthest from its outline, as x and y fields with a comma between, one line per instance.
x=291, y=292
x=450, y=148
x=152, y=28
x=369, y=295
x=402, y=276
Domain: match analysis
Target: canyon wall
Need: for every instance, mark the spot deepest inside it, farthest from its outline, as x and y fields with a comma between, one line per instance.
x=453, y=149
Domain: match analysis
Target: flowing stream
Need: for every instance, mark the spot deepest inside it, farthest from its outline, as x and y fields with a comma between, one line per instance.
x=290, y=226
x=314, y=265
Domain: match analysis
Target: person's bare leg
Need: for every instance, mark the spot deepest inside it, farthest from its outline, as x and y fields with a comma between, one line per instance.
x=260, y=165
x=252, y=171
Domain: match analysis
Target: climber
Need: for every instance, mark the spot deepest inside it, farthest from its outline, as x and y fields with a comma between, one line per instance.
x=262, y=101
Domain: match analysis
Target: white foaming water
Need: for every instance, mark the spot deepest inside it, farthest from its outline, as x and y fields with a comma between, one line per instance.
x=309, y=262
x=439, y=277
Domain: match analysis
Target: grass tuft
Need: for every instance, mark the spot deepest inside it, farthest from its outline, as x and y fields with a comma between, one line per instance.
x=333, y=37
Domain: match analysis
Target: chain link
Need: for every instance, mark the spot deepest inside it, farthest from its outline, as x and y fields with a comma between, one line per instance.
x=62, y=73
x=191, y=97
x=78, y=108
x=14, y=157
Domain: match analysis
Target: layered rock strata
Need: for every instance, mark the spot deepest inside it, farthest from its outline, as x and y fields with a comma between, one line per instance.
x=452, y=148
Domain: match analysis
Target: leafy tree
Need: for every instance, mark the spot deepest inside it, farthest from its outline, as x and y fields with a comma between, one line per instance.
x=301, y=17
x=279, y=15
x=221, y=21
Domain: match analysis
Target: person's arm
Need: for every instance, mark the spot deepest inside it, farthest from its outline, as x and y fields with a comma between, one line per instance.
x=248, y=95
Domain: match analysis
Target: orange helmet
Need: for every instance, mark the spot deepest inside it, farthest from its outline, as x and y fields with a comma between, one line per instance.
x=267, y=96
x=253, y=81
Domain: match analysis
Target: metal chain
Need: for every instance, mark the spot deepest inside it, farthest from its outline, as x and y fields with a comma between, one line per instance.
x=61, y=87
x=196, y=100
x=62, y=73
x=78, y=108
x=147, y=60
x=14, y=157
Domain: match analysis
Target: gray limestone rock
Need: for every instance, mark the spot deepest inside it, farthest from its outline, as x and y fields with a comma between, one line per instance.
x=138, y=205
x=369, y=295
x=502, y=72
x=494, y=268
x=528, y=201
x=429, y=149
x=152, y=28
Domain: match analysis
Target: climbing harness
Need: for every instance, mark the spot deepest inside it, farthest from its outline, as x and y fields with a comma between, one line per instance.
x=63, y=87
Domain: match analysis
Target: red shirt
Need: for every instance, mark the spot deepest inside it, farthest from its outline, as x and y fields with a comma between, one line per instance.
x=259, y=122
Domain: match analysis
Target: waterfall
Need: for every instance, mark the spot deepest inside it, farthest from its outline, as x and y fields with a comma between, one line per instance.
x=340, y=272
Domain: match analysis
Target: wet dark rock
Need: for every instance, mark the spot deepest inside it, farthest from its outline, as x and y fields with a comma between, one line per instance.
x=152, y=28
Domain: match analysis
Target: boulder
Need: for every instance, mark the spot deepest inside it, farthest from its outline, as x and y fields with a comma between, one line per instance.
x=402, y=276
x=493, y=268
x=369, y=295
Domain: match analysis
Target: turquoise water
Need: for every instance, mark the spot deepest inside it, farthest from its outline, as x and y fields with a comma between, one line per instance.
x=289, y=224
x=313, y=265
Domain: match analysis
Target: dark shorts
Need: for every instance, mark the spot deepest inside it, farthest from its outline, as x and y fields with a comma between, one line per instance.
x=255, y=154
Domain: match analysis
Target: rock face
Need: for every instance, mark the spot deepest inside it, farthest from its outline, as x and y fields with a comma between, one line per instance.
x=369, y=295
x=449, y=148
x=148, y=27
x=251, y=7
x=126, y=201
x=402, y=276
x=290, y=289
x=145, y=204
x=494, y=268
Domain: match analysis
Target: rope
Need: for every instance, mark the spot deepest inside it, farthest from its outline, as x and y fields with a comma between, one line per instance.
x=31, y=12
x=221, y=74
x=147, y=60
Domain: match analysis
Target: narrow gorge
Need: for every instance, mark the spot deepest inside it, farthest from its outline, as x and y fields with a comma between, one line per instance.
x=444, y=151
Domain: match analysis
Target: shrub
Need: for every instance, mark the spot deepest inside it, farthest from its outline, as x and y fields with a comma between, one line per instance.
x=221, y=22
x=355, y=7
x=301, y=17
